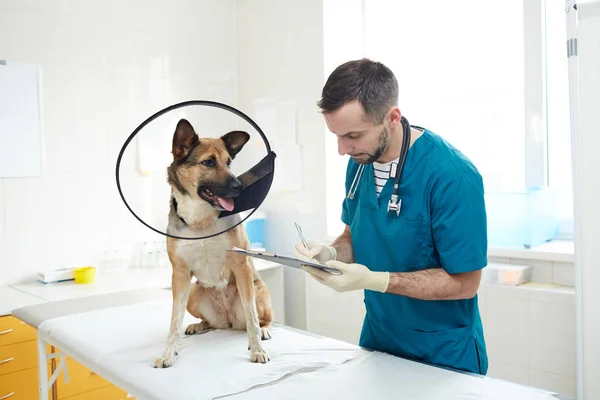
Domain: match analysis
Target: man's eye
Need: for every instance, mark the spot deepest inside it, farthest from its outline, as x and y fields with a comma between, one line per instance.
x=209, y=163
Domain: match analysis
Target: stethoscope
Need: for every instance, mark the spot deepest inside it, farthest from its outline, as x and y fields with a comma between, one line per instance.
x=394, y=202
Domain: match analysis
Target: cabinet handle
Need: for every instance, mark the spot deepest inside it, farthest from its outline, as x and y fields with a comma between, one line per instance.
x=4, y=333
x=7, y=396
x=4, y=362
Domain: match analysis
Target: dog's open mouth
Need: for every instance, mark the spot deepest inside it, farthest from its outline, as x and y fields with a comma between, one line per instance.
x=216, y=201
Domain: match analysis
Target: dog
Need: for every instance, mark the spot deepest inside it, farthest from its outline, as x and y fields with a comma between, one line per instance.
x=228, y=293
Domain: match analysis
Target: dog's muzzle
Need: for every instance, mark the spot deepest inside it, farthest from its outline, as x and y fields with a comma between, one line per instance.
x=254, y=186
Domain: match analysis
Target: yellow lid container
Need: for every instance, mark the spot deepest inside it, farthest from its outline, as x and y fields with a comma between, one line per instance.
x=85, y=274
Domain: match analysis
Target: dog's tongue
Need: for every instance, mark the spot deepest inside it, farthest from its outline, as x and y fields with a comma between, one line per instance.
x=226, y=203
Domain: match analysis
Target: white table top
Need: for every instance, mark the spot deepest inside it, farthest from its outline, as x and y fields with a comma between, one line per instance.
x=113, y=282
x=11, y=299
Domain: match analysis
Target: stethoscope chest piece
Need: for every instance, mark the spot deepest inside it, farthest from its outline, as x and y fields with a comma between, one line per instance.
x=394, y=204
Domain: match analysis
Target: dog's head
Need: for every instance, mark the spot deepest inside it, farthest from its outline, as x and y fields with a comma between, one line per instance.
x=200, y=166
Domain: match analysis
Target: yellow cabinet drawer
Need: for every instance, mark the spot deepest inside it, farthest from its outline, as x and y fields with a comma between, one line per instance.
x=81, y=380
x=13, y=330
x=105, y=393
x=17, y=357
x=23, y=385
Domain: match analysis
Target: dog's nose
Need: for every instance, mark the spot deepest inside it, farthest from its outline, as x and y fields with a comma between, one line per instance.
x=236, y=186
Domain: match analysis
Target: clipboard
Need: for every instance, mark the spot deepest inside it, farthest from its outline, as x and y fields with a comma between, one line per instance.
x=285, y=260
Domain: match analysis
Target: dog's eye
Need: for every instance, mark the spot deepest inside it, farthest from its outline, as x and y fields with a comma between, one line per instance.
x=209, y=163
x=229, y=163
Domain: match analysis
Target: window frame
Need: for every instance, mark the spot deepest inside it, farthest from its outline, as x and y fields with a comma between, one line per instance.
x=537, y=163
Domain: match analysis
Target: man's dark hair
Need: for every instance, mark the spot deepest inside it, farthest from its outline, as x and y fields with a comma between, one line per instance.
x=371, y=83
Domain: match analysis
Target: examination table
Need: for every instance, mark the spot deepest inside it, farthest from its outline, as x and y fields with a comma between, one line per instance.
x=119, y=336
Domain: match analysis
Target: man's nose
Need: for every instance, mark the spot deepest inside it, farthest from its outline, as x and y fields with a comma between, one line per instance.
x=343, y=149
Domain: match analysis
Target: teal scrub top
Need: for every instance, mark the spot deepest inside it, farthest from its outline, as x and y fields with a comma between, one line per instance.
x=442, y=223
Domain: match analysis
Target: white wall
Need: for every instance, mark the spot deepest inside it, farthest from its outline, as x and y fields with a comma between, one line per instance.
x=280, y=55
x=107, y=66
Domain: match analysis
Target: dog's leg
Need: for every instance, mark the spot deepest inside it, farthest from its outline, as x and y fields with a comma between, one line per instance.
x=245, y=286
x=200, y=305
x=180, y=284
x=264, y=308
x=195, y=329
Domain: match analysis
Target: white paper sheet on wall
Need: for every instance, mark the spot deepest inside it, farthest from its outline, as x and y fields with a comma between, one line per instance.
x=21, y=144
x=265, y=115
x=288, y=168
x=277, y=119
x=286, y=122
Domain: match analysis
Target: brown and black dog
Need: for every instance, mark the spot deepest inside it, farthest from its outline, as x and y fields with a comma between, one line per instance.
x=229, y=292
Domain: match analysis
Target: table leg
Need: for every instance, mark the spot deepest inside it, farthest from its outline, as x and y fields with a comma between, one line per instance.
x=42, y=369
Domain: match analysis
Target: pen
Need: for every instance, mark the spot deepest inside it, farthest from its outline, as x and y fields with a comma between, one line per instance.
x=301, y=235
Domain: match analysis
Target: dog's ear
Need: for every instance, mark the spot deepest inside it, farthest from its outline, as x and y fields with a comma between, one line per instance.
x=184, y=139
x=234, y=141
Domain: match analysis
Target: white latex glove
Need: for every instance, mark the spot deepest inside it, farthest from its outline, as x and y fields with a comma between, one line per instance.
x=316, y=251
x=353, y=277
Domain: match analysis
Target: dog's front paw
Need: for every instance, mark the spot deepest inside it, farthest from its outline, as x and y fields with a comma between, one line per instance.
x=195, y=329
x=259, y=356
x=265, y=333
x=167, y=359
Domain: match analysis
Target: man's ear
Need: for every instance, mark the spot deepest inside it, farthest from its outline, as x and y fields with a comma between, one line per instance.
x=234, y=141
x=394, y=116
x=184, y=139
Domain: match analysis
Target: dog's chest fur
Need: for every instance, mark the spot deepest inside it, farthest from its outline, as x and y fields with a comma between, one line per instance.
x=206, y=260
x=205, y=257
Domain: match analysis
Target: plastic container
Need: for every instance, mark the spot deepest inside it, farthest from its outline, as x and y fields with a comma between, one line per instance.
x=522, y=219
x=85, y=275
x=255, y=229
x=507, y=274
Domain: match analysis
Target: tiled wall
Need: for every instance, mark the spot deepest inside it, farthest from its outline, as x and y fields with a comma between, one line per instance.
x=530, y=335
x=107, y=66
x=544, y=271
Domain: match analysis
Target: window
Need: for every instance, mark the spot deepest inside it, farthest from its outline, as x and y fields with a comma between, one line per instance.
x=479, y=76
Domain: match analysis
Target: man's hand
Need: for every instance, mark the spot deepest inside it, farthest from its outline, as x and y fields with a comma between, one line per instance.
x=316, y=251
x=353, y=277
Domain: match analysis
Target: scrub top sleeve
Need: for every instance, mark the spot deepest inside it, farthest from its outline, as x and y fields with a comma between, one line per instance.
x=459, y=222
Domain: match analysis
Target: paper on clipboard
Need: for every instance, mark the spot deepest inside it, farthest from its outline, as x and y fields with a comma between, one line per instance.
x=284, y=260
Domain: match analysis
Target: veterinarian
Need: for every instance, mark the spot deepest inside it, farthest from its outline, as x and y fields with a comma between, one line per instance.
x=417, y=252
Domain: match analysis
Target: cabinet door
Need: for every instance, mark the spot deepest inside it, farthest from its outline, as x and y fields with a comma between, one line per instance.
x=17, y=357
x=13, y=330
x=20, y=385
x=81, y=380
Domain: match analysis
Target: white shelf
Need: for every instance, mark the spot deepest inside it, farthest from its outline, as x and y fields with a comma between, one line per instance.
x=556, y=250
